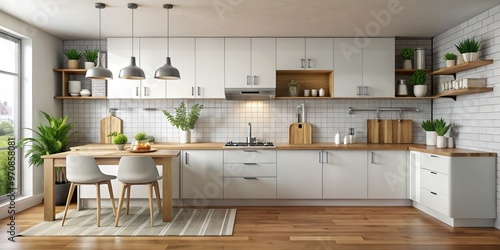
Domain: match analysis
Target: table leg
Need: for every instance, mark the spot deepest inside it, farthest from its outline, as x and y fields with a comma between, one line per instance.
x=167, y=188
x=49, y=204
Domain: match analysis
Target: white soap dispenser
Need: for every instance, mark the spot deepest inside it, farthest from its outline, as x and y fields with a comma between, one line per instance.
x=337, y=138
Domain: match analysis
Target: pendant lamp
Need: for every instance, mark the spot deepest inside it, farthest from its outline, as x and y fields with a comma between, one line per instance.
x=167, y=71
x=132, y=72
x=99, y=72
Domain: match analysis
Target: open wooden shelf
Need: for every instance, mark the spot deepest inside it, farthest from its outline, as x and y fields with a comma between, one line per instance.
x=307, y=79
x=471, y=90
x=407, y=71
x=65, y=76
x=461, y=67
x=80, y=97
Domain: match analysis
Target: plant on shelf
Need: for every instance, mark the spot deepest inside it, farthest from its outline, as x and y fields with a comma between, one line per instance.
x=468, y=47
x=418, y=80
x=441, y=129
x=450, y=59
x=141, y=136
x=407, y=55
x=430, y=132
x=91, y=56
x=119, y=140
x=184, y=120
x=73, y=57
x=428, y=125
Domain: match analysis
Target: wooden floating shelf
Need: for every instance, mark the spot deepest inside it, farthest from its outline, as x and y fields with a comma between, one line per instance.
x=467, y=91
x=72, y=71
x=80, y=97
x=408, y=71
x=461, y=67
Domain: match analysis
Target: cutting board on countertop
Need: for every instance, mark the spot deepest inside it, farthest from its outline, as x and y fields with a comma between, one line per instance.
x=389, y=131
x=300, y=133
x=110, y=124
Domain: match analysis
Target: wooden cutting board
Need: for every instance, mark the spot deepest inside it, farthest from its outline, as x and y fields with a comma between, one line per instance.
x=110, y=124
x=389, y=131
x=300, y=133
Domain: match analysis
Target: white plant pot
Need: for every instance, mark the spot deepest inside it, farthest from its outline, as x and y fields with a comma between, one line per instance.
x=450, y=63
x=420, y=90
x=72, y=64
x=89, y=65
x=74, y=88
x=119, y=146
x=407, y=64
x=430, y=138
x=185, y=136
x=469, y=57
x=441, y=142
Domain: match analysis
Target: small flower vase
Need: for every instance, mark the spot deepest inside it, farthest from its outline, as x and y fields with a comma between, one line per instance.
x=185, y=136
x=441, y=142
x=430, y=138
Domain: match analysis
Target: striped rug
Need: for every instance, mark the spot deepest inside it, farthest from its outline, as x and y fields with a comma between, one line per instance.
x=186, y=222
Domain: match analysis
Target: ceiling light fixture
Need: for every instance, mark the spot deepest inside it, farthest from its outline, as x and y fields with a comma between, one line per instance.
x=132, y=72
x=167, y=71
x=99, y=72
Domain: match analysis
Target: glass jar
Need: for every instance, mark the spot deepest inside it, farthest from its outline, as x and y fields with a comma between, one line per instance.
x=402, y=89
x=293, y=88
x=141, y=145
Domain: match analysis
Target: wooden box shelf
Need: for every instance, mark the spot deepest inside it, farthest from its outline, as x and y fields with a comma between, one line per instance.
x=307, y=79
x=65, y=77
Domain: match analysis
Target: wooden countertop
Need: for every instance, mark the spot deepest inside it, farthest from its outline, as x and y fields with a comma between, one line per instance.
x=315, y=146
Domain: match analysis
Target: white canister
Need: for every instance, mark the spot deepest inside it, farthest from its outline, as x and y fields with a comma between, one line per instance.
x=450, y=142
x=314, y=92
x=74, y=88
x=306, y=92
x=321, y=92
x=441, y=142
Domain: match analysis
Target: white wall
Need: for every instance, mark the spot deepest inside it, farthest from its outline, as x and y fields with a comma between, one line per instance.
x=476, y=117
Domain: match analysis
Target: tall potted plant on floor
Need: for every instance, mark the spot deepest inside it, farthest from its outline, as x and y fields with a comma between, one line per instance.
x=184, y=120
x=50, y=139
x=441, y=129
x=418, y=80
x=430, y=132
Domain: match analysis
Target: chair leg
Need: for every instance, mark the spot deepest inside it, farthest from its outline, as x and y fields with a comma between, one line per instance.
x=68, y=201
x=120, y=203
x=98, y=188
x=111, y=196
x=150, y=193
x=158, y=198
x=128, y=197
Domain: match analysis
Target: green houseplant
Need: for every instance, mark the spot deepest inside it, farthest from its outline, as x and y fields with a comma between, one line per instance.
x=468, y=47
x=430, y=132
x=418, y=80
x=119, y=140
x=184, y=120
x=407, y=56
x=441, y=129
x=73, y=57
x=91, y=57
x=450, y=59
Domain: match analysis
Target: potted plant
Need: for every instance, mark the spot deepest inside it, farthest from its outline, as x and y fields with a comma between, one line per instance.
x=119, y=140
x=73, y=57
x=441, y=129
x=184, y=120
x=407, y=55
x=450, y=59
x=468, y=47
x=430, y=132
x=141, y=142
x=418, y=80
x=50, y=139
x=91, y=57
x=151, y=139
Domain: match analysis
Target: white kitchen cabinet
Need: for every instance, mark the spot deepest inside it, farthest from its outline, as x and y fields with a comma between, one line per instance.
x=345, y=174
x=299, y=174
x=304, y=53
x=387, y=172
x=153, y=55
x=209, y=68
x=364, y=67
x=182, y=54
x=202, y=174
x=413, y=177
x=250, y=63
x=119, y=53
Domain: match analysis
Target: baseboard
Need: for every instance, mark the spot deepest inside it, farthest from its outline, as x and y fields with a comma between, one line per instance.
x=21, y=204
x=456, y=222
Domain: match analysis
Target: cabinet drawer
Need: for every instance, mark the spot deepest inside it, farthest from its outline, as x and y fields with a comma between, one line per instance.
x=250, y=170
x=250, y=156
x=257, y=188
x=435, y=181
x=436, y=162
x=435, y=201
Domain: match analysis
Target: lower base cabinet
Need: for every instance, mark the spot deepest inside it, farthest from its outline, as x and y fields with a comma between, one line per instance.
x=299, y=174
x=250, y=188
x=345, y=174
x=387, y=171
x=202, y=175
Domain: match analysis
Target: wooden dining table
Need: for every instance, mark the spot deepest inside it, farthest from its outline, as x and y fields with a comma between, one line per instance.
x=107, y=157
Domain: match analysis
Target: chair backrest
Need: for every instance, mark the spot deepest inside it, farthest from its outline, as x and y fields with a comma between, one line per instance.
x=137, y=169
x=82, y=168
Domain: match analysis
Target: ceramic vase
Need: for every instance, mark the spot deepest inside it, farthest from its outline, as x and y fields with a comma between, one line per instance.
x=441, y=142
x=420, y=90
x=85, y=92
x=185, y=136
x=407, y=64
x=430, y=138
x=74, y=88
x=89, y=65
x=72, y=64
x=468, y=57
x=119, y=146
x=450, y=63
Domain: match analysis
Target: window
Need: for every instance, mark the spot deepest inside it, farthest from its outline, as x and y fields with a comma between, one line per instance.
x=10, y=62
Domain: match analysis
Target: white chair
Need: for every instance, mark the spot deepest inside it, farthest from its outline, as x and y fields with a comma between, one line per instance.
x=83, y=170
x=138, y=170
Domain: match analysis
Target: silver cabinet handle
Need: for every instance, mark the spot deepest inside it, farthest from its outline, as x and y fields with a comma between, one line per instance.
x=433, y=172
x=434, y=193
x=199, y=91
x=250, y=178
x=320, y=157
x=365, y=90
x=308, y=63
x=187, y=158
x=434, y=156
x=146, y=93
x=249, y=150
x=373, y=161
x=358, y=92
x=302, y=61
x=248, y=80
x=255, y=80
x=249, y=163
x=192, y=91
x=327, y=160
x=137, y=91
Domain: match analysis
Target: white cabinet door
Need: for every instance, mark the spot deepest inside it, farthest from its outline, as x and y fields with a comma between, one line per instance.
x=378, y=67
x=345, y=174
x=153, y=56
x=202, y=174
x=290, y=54
x=119, y=53
x=387, y=174
x=237, y=62
x=319, y=54
x=209, y=68
x=263, y=62
x=183, y=57
x=348, y=67
x=299, y=174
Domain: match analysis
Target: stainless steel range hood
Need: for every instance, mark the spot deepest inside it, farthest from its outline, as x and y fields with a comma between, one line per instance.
x=250, y=93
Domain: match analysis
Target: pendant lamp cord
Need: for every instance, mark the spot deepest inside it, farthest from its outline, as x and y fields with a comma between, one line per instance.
x=100, y=47
x=168, y=32
x=132, y=32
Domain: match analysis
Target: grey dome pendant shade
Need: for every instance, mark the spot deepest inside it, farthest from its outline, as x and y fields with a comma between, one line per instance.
x=167, y=71
x=99, y=72
x=132, y=72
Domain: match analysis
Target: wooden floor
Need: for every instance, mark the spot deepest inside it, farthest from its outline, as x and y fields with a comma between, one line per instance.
x=287, y=228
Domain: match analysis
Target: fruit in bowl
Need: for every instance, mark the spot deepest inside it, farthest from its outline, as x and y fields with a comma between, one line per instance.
x=142, y=145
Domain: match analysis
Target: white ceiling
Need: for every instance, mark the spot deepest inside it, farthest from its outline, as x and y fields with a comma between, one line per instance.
x=78, y=19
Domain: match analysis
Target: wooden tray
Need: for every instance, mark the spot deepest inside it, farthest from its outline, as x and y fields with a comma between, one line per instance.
x=142, y=151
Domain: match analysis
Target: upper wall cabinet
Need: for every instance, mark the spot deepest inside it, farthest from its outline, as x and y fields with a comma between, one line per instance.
x=304, y=53
x=364, y=67
x=250, y=63
x=182, y=54
x=209, y=68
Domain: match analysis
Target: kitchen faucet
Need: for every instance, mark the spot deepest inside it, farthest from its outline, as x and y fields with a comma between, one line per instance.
x=249, y=133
